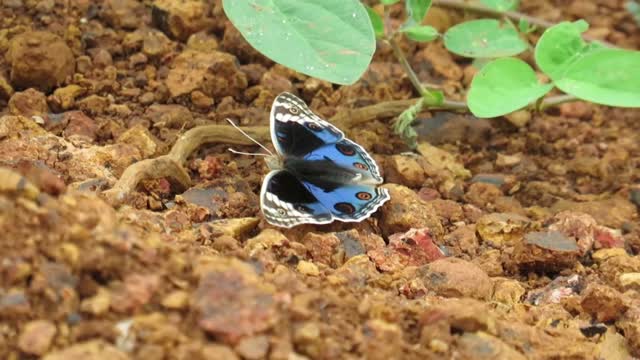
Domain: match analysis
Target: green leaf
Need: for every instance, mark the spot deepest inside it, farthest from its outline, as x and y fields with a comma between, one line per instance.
x=376, y=22
x=421, y=33
x=606, y=76
x=501, y=5
x=525, y=27
x=503, y=86
x=559, y=46
x=388, y=2
x=417, y=9
x=332, y=40
x=485, y=38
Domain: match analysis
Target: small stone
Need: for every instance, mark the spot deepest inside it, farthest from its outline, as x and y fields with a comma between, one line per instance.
x=507, y=291
x=483, y=195
x=453, y=277
x=630, y=281
x=140, y=137
x=93, y=104
x=607, y=238
x=36, y=337
x=557, y=290
x=381, y=340
x=200, y=100
x=481, y=345
x=147, y=98
x=97, y=304
x=575, y=225
x=443, y=160
x=405, y=170
x=519, y=119
x=577, y=109
x=253, y=348
x=508, y=160
x=547, y=251
x=307, y=268
x=603, y=303
x=181, y=19
x=65, y=97
x=102, y=58
x=171, y=116
x=202, y=41
x=125, y=14
x=405, y=210
x=28, y=103
x=79, y=124
x=94, y=349
x=216, y=74
x=176, y=300
x=600, y=256
x=502, y=229
x=413, y=248
x=39, y=59
x=135, y=292
x=218, y=352
x=232, y=301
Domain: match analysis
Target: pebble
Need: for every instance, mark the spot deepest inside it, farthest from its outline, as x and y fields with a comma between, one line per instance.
x=578, y=226
x=502, y=229
x=612, y=212
x=630, y=281
x=507, y=291
x=176, y=300
x=216, y=74
x=307, y=268
x=481, y=345
x=453, y=277
x=602, y=302
x=28, y=103
x=93, y=349
x=36, y=337
x=180, y=19
x=6, y=90
x=546, y=251
x=405, y=210
x=39, y=59
x=253, y=348
x=65, y=97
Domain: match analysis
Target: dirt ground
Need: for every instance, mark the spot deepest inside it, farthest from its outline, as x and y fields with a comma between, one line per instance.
x=510, y=238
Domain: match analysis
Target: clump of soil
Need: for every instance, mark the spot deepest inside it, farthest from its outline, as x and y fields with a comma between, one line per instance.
x=129, y=231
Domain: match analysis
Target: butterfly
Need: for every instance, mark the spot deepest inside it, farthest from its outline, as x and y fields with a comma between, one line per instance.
x=317, y=175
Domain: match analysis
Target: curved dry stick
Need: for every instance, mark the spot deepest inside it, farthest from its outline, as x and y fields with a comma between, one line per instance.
x=171, y=164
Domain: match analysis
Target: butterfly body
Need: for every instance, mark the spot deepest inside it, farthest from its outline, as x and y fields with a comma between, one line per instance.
x=318, y=175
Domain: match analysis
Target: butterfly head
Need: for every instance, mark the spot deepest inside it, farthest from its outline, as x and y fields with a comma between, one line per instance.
x=274, y=162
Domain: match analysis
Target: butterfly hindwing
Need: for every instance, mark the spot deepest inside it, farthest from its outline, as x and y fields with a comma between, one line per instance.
x=296, y=130
x=353, y=202
x=287, y=202
x=347, y=154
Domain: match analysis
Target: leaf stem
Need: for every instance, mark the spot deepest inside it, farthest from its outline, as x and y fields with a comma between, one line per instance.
x=406, y=66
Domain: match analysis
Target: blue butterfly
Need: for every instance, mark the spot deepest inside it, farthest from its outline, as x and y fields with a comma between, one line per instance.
x=318, y=175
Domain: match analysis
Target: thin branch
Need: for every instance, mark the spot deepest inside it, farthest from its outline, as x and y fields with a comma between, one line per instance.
x=556, y=100
x=406, y=66
x=514, y=15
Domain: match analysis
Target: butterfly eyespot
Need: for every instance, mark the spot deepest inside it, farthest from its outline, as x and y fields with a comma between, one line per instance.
x=360, y=166
x=345, y=208
x=281, y=212
x=294, y=110
x=363, y=195
x=345, y=149
x=314, y=126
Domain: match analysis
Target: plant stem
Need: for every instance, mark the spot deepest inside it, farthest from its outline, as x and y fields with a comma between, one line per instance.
x=406, y=66
x=514, y=15
x=556, y=100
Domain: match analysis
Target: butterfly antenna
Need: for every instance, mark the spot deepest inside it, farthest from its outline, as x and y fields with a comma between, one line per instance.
x=250, y=138
x=246, y=153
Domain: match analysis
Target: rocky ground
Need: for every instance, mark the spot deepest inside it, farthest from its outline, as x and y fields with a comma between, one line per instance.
x=511, y=238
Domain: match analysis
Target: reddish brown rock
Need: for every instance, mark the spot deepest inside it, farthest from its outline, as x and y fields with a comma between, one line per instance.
x=216, y=74
x=171, y=116
x=136, y=291
x=181, y=19
x=79, y=124
x=405, y=210
x=232, y=302
x=545, y=251
x=453, y=277
x=36, y=337
x=125, y=14
x=578, y=226
x=39, y=59
x=603, y=303
x=28, y=103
